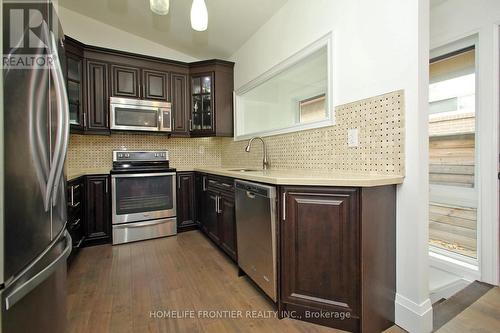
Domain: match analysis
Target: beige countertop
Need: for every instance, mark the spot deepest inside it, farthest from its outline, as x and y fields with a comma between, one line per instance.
x=278, y=177
x=306, y=177
x=73, y=174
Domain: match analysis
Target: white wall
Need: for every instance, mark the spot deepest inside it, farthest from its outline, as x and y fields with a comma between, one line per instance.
x=451, y=21
x=379, y=46
x=93, y=32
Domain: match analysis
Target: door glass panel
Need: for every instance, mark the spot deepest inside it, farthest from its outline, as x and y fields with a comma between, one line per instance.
x=73, y=69
x=73, y=113
x=196, y=85
x=144, y=194
x=452, y=147
x=206, y=85
x=207, y=111
x=136, y=117
x=197, y=110
x=73, y=92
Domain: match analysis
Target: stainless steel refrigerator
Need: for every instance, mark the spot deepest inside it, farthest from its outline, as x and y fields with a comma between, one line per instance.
x=33, y=239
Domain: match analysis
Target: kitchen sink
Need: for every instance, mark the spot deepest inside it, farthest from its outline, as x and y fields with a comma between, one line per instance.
x=244, y=170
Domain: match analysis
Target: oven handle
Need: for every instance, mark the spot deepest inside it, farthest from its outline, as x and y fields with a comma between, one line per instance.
x=141, y=224
x=136, y=175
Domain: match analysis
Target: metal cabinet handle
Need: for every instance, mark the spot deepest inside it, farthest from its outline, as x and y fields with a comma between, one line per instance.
x=204, y=183
x=284, y=206
x=75, y=223
x=190, y=125
x=227, y=185
x=106, y=182
x=216, y=204
x=219, y=210
x=72, y=196
x=84, y=119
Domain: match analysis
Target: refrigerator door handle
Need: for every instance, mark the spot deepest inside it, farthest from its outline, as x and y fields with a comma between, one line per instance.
x=18, y=293
x=63, y=118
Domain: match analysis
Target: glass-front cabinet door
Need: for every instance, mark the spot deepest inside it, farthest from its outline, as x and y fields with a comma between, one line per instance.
x=74, y=85
x=202, y=103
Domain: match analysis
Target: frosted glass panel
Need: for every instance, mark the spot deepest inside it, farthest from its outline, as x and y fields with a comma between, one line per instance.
x=291, y=98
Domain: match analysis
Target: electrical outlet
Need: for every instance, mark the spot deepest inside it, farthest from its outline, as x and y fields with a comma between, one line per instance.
x=352, y=137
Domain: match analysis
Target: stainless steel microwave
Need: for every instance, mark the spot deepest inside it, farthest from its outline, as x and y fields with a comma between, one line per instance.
x=140, y=115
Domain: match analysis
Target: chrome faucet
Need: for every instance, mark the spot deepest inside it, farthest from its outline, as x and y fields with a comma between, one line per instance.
x=265, y=163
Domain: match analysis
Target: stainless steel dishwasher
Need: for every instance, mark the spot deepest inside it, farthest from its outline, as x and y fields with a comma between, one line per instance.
x=256, y=233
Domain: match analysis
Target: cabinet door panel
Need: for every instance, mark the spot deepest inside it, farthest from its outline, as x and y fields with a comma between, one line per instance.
x=227, y=225
x=185, y=201
x=211, y=216
x=155, y=85
x=98, y=223
x=125, y=82
x=180, y=107
x=320, y=244
x=199, y=201
x=97, y=96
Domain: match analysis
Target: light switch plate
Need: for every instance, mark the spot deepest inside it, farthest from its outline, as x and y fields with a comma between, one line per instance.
x=352, y=137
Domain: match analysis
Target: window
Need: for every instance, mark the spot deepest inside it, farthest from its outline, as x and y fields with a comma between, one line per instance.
x=452, y=153
x=292, y=96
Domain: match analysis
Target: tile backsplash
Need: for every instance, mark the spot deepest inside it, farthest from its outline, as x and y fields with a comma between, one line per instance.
x=380, y=124
x=95, y=151
x=379, y=120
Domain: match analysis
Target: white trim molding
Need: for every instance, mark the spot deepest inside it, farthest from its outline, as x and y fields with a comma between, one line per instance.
x=411, y=314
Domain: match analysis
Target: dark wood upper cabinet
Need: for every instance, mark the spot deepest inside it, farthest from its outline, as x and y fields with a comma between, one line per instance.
x=74, y=84
x=211, y=95
x=338, y=255
x=180, y=104
x=202, y=120
x=156, y=85
x=186, y=209
x=97, y=102
x=125, y=82
x=98, y=213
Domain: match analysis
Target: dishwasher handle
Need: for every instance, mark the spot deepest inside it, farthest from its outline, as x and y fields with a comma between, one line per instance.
x=252, y=190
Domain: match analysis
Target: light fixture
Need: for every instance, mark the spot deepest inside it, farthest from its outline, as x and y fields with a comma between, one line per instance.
x=199, y=15
x=159, y=7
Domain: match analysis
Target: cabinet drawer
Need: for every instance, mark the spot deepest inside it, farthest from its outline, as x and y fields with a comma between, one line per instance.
x=220, y=183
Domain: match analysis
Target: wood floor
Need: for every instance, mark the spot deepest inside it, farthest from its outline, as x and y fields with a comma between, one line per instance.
x=115, y=289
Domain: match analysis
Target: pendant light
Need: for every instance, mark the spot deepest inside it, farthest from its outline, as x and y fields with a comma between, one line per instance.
x=159, y=7
x=199, y=15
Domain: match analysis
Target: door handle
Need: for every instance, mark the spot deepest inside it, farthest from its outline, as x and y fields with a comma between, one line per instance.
x=250, y=195
x=62, y=135
x=204, y=183
x=18, y=293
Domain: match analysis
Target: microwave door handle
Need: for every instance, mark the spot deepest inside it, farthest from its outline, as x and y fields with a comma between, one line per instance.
x=160, y=120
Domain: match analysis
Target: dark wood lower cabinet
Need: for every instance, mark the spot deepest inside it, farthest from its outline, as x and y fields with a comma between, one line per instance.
x=98, y=212
x=76, y=212
x=227, y=224
x=216, y=211
x=338, y=256
x=186, y=209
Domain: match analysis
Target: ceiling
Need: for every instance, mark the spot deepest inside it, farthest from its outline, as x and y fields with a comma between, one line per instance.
x=230, y=22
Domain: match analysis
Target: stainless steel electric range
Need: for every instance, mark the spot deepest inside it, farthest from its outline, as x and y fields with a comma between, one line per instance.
x=143, y=196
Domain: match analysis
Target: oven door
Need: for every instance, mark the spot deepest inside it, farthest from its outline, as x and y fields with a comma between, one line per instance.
x=135, y=117
x=142, y=197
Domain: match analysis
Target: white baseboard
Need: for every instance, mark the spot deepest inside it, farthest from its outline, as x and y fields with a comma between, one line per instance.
x=413, y=317
x=448, y=290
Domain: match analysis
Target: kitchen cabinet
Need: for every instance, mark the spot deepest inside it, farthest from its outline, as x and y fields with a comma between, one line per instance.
x=156, y=85
x=76, y=212
x=74, y=84
x=338, y=255
x=211, y=107
x=98, y=210
x=125, y=81
x=180, y=104
x=186, y=209
x=134, y=82
x=200, y=189
x=217, y=212
x=227, y=224
x=96, y=117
